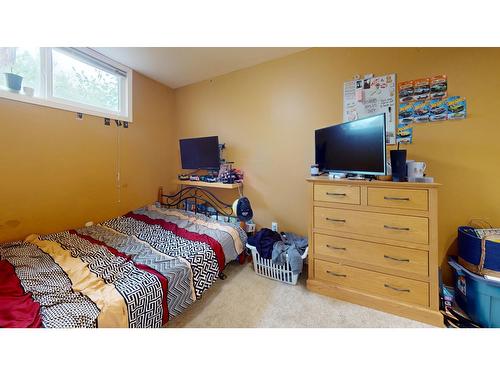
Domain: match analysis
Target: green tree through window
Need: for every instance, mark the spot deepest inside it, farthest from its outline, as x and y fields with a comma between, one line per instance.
x=72, y=80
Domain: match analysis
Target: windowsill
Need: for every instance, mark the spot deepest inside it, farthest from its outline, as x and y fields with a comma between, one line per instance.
x=88, y=110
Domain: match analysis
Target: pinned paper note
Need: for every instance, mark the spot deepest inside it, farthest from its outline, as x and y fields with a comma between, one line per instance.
x=359, y=95
x=370, y=96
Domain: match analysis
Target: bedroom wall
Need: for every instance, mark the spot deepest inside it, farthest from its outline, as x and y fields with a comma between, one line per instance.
x=57, y=173
x=266, y=115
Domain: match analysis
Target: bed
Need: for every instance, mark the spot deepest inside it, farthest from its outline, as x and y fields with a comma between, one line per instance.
x=136, y=270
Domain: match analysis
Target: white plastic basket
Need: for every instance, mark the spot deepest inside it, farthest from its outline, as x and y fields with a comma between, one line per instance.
x=266, y=267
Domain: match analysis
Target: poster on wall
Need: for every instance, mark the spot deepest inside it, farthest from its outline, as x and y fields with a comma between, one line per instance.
x=371, y=96
x=457, y=108
x=423, y=89
x=406, y=118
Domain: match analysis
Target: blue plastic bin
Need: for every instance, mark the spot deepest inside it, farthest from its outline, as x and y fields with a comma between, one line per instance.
x=477, y=296
x=476, y=258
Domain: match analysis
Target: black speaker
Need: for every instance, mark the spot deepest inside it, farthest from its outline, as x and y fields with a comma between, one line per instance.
x=398, y=165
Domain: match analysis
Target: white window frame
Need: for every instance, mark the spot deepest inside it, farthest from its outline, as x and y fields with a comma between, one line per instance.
x=48, y=100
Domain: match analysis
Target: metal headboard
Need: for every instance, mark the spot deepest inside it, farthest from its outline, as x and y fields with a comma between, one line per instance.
x=197, y=196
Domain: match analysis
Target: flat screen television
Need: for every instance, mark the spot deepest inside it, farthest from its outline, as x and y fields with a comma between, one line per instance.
x=200, y=153
x=355, y=147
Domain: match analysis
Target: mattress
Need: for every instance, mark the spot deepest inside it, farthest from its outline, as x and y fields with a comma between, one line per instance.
x=137, y=270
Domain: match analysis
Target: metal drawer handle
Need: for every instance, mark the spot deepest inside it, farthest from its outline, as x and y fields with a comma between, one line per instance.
x=336, y=274
x=396, y=199
x=336, y=220
x=336, y=248
x=395, y=228
x=338, y=194
x=397, y=289
x=397, y=259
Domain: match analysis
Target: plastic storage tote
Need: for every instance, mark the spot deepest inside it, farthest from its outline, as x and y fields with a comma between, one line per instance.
x=266, y=267
x=477, y=296
x=478, y=255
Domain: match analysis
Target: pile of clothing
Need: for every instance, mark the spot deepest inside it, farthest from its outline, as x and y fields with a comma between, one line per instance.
x=275, y=246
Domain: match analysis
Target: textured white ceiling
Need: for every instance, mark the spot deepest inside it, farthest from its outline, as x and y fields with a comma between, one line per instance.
x=181, y=66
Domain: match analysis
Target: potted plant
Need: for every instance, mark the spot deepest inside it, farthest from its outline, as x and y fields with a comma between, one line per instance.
x=8, y=58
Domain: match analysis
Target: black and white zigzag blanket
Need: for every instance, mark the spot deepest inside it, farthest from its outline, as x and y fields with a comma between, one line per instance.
x=137, y=270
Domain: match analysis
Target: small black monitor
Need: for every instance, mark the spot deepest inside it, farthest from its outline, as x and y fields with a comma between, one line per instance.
x=200, y=153
x=355, y=147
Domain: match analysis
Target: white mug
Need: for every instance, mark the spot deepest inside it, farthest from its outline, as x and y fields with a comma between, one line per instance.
x=416, y=168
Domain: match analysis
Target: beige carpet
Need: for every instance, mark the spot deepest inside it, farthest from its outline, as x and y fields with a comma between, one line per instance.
x=245, y=299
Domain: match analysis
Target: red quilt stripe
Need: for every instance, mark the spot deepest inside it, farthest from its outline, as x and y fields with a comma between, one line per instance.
x=17, y=308
x=144, y=267
x=184, y=233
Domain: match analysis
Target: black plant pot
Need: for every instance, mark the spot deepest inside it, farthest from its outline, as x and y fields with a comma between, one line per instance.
x=13, y=81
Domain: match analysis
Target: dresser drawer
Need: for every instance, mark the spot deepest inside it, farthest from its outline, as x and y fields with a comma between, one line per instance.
x=397, y=227
x=387, y=256
x=394, y=287
x=337, y=194
x=398, y=198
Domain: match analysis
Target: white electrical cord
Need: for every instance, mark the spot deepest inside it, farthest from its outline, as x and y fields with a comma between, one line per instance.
x=118, y=164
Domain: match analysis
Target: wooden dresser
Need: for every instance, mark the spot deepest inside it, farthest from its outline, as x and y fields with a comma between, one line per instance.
x=375, y=243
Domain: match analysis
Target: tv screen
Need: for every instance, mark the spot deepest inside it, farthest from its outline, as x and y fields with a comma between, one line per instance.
x=356, y=147
x=200, y=153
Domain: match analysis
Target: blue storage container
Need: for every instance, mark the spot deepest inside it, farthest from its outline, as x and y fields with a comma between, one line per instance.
x=478, y=255
x=477, y=296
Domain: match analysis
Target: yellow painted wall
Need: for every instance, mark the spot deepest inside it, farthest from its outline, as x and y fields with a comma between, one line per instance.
x=57, y=173
x=267, y=115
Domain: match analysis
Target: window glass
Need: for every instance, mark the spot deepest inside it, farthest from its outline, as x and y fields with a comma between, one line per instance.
x=78, y=81
x=24, y=62
x=68, y=78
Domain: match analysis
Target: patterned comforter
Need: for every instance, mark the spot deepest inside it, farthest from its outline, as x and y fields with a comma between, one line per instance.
x=136, y=270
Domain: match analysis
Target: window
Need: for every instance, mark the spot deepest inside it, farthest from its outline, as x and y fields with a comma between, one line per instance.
x=24, y=62
x=75, y=79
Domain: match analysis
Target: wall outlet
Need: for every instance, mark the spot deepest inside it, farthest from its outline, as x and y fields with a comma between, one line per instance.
x=250, y=227
x=274, y=226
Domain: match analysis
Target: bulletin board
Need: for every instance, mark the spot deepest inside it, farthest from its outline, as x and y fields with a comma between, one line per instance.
x=372, y=96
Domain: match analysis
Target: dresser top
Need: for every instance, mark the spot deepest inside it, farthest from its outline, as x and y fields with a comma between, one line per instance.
x=392, y=184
